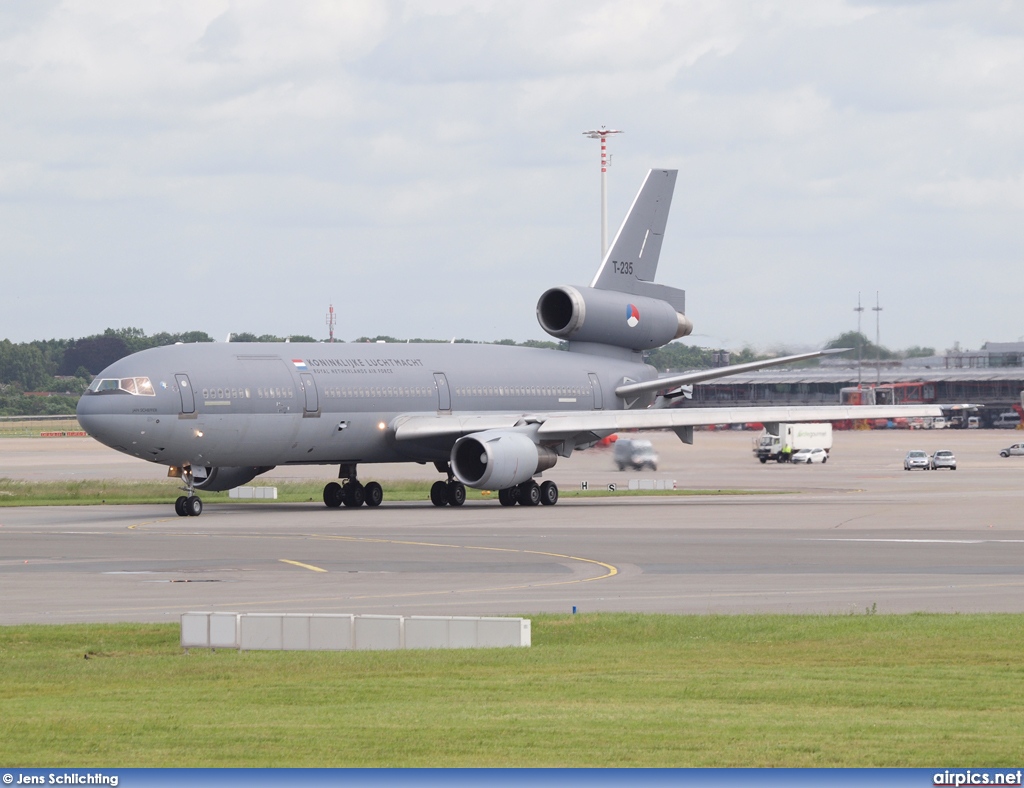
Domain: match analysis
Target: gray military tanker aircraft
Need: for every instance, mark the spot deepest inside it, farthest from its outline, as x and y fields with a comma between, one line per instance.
x=487, y=416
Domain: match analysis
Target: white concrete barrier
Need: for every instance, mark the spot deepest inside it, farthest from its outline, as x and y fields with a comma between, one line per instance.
x=378, y=633
x=652, y=484
x=210, y=630
x=261, y=632
x=268, y=493
x=331, y=632
x=466, y=632
x=348, y=632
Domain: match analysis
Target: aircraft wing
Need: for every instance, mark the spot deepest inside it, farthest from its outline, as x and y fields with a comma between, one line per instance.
x=689, y=378
x=582, y=428
x=562, y=426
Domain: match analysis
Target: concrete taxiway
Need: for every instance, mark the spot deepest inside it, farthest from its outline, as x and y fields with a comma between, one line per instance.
x=854, y=535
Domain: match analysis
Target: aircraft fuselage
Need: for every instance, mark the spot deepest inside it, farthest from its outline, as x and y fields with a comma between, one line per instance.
x=276, y=404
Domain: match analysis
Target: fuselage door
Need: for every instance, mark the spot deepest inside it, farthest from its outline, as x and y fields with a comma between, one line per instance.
x=188, y=399
x=444, y=395
x=595, y=385
x=309, y=387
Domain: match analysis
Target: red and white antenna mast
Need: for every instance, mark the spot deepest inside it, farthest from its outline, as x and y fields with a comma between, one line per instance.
x=332, y=320
x=603, y=134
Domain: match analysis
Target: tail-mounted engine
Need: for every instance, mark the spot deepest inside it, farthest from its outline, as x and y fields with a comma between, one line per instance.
x=608, y=317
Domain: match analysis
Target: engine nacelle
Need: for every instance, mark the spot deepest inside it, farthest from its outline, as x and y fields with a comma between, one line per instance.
x=497, y=459
x=220, y=479
x=608, y=317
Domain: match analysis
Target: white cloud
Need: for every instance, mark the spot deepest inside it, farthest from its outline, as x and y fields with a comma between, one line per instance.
x=235, y=166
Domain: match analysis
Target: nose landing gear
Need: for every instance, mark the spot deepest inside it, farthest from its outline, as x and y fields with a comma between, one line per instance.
x=188, y=505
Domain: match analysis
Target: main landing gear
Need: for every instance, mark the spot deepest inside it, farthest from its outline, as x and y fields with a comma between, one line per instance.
x=352, y=493
x=529, y=493
x=449, y=493
x=188, y=505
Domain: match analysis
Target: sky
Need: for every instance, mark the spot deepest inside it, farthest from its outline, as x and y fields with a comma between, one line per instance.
x=241, y=166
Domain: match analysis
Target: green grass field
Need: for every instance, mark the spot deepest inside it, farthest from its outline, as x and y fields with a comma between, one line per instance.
x=594, y=690
x=14, y=492
x=31, y=428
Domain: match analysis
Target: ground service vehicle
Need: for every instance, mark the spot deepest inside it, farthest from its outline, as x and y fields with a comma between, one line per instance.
x=779, y=441
x=1016, y=450
x=943, y=458
x=1007, y=421
x=635, y=454
x=809, y=456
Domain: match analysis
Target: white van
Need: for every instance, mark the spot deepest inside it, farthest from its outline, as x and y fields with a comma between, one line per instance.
x=1007, y=421
x=939, y=423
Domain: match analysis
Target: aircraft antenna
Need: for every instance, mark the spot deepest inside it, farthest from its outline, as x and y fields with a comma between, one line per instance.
x=332, y=320
x=603, y=134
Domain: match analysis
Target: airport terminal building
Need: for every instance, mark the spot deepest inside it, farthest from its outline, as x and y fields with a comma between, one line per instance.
x=992, y=377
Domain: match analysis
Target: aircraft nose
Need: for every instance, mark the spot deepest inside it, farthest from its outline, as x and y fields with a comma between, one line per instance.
x=83, y=412
x=88, y=415
x=103, y=417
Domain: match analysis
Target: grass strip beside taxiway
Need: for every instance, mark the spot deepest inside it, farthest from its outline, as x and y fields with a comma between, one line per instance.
x=593, y=690
x=15, y=492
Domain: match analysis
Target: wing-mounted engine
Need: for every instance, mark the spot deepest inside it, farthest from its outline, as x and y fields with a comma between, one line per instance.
x=498, y=459
x=609, y=317
x=220, y=479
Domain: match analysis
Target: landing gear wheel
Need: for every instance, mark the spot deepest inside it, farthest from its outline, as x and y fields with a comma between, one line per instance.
x=193, y=506
x=529, y=493
x=373, y=493
x=507, y=497
x=332, y=495
x=439, y=494
x=456, y=493
x=179, y=506
x=352, y=494
x=549, y=493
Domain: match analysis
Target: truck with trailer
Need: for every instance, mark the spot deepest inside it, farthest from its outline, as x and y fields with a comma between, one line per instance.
x=778, y=441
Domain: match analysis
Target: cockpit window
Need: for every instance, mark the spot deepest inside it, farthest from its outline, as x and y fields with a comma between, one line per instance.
x=141, y=387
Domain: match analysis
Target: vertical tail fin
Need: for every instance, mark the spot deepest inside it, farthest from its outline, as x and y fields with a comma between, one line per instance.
x=632, y=259
x=633, y=255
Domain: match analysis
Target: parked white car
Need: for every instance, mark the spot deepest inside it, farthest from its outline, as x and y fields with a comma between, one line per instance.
x=810, y=455
x=916, y=459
